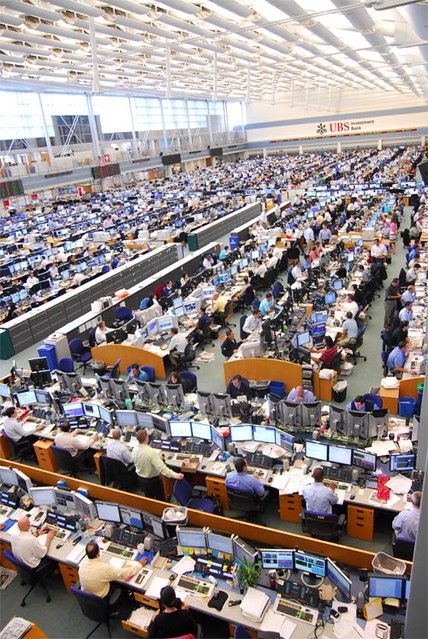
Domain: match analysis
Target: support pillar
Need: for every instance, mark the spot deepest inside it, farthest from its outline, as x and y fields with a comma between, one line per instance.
x=379, y=145
x=46, y=131
x=93, y=127
x=339, y=147
x=134, y=135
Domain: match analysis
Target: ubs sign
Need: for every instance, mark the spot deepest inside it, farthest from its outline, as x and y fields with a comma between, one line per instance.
x=342, y=126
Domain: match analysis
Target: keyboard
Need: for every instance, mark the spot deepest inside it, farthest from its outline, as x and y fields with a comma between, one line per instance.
x=60, y=533
x=338, y=474
x=193, y=585
x=295, y=590
x=126, y=553
x=295, y=610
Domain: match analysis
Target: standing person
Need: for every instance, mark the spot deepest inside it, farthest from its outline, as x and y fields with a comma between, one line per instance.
x=149, y=467
x=392, y=295
x=230, y=345
x=173, y=617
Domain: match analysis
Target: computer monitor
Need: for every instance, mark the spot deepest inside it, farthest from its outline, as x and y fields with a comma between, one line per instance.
x=5, y=391
x=154, y=525
x=177, y=303
x=143, y=391
x=73, y=409
x=126, y=418
x=336, y=285
x=339, y=579
x=217, y=438
x=191, y=538
x=302, y=339
x=290, y=414
x=161, y=423
x=152, y=327
x=243, y=551
x=284, y=440
x=180, y=429
x=64, y=498
x=362, y=459
x=190, y=308
x=255, y=254
x=107, y=511
x=357, y=424
x=276, y=559
x=205, y=403
x=220, y=543
x=330, y=298
x=208, y=292
x=26, y=398
x=166, y=323
x=119, y=389
x=264, y=434
x=336, y=419
x=385, y=587
x=131, y=517
x=406, y=592
x=241, y=433
x=156, y=392
x=42, y=496
x=174, y=395
x=201, y=431
x=38, y=364
x=42, y=396
x=92, y=410
x=316, y=450
x=145, y=420
x=310, y=413
x=340, y=455
x=222, y=406
x=319, y=317
x=402, y=463
x=106, y=415
x=84, y=506
x=308, y=563
x=8, y=476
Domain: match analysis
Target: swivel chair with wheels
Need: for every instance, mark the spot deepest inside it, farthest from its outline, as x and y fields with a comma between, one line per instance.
x=328, y=527
x=402, y=548
x=94, y=608
x=80, y=353
x=113, y=471
x=36, y=576
x=64, y=461
x=183, y=493
x=19, y=450
x=248, y=505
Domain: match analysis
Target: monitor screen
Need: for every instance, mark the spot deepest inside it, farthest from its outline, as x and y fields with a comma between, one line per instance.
x=361, y=459
x=337, y=285
x=255, y=254
x=406, y=593
x=145, y=420
x=105, y=415
x=208, y=292
x=108, y=512
x=5, y=391
x=27, y=398
x=42, y=396
x=131, y=517
x=319, y=317
x=277, y=559
x=340, y=455
x=165, y=323
x=284, y=440
x=243, y=551
x=152, y=326
x=177, y=303
x=126, y=418
x=190, y=307
x=92, y=410
x=330, y=298
x=42, y=496
x=73, y=409
x=339, y=579
x=316, y=450
x=403, y=463
x=180, y=429
x=302, y=339
x=8, y=476
x=64, y=498
x=179, y=311
x=84, y=505
x=217, y=438
x=191, y=538
x=264, y=434
x=311, y=564
x=202, y=431
x=241, y=433
x=385, y=587
x=220, y=543
x=161, y=423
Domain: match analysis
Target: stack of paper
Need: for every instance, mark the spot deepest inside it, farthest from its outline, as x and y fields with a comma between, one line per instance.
x=274, y=622
x=156, y=585
x=142, y=617
x=76, y=555
x=186, y=564
x=254, y=604
x=399, y=484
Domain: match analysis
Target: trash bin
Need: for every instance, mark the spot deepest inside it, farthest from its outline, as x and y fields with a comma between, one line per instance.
x=384, y=564
x=339, y=391
x=49, y=351
x=192, y=242
x=277, y=388
x=6, y=346
x=406, y=406
x=233, y=241
x=419, y=400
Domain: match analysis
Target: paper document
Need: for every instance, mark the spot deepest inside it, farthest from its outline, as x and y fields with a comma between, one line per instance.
x=29, y=428
x=155, y=586
x=272, y=622
x=381, y=448
x=279, y=482
x=142, y=617
x=186, y=564
x=76, y=555
x=250, y=447
x=287, y=629
x=340, y=496
x=399, y=484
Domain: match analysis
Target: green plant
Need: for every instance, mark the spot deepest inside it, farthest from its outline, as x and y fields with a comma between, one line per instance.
x=249, y=573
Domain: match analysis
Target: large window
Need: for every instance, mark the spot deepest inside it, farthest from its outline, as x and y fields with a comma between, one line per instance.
x=20, y=116
x=198, y=114
x=147, y=114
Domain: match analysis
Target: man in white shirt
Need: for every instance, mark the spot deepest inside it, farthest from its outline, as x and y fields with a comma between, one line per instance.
x=15, y=429
x=208, y=261
x=177, y=346
x=350, y=305
x=298, y=273
x=77, y=279
x=101, y=332
x=78, y=449
x=252, y=322
x=32, y=550
x=117, y=449
x=261, y=269
x=379, y=251
x=32, y=280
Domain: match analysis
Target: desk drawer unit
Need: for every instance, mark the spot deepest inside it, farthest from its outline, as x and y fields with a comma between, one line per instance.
x=360, y=522
x=290, y=507
x=44, y=455
x=216, y=488
x=69, y=574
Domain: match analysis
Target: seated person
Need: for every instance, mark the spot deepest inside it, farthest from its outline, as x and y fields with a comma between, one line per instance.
x=240, y=479
x=80, y=451
x=177, y=346
x=409, y=295
x=300, y=394
x=399, y=334
x=238, y=386
x=168, y=289
x=406, y=523
x=136, y=373
x=277, y=290
x=266, y=304
x=252, y=322
x=14, y=428
x=406, y=313
x=176, y=378
x=203, y=324
x=361, y=405
x=318, y=497
x=117, y=449
x=349, y=331
x=328, y=354
x=350, y=305
x=101, y=333
x=396, y=361
x=29, y=548
x=173, y=617
x=230, y=345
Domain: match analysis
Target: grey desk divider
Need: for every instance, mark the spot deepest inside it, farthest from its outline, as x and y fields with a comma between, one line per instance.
x=212, y=232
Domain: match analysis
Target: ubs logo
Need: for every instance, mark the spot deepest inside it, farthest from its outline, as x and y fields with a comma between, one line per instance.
x=321, y=129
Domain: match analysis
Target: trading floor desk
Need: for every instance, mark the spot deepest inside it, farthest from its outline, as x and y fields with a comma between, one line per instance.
x=261, y=368
x=406, y=388
x=128, y=354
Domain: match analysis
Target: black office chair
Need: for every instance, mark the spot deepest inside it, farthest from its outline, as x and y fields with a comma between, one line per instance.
x=328, y=527
x=402, y=548
x=91, y=338
x=189, y=356
x=94, y=608
x=19, y=451
x=64, y=461
x=248, y=505
x=113, y=471
x=35, y=576
x=335, y=362
x=242, y=334
x=355, y=348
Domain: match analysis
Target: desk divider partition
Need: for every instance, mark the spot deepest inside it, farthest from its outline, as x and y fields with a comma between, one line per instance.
x=260, y=535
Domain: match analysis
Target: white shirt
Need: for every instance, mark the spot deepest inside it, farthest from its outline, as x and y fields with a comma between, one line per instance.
x=32, y=281
x=78, y=279
x=352, y=307
x=118, y=450
x=179, y=342
x=28, y=548
x=261, y=270
x=251, y=323
x=379, y=250
x=14, y=428
x=272, y=261
x=297, y=272
x=100, y=335
x=71, y=443
x=207, y=263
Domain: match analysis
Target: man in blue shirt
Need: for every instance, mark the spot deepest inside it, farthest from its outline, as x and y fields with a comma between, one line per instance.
x=325, y=234
x=319, y=498
x=406, y=523
x=361, y=405
x=223, y=253
x=406, y=313
x=397, y=359
x=409, y=295
x=266, y=304
x=136, y=373
x=239, y=479
x=300, y=394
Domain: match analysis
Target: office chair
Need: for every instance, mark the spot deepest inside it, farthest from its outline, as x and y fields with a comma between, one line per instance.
x=113, y=471
x=79, y=352
x=335, y=362
x=150, y=370
x=183, y=493
x=105, y=269
x=384, y=358
x=248, y=505
x=377, y=401
x=189, y=356
x=354, y=348
x=402, y=548
x=122, y=315
x=66, y=365
x=248, y=297
x=192, y=378
x=113, y=372
x=64, y=461
x=19, y=450
x=94, y=608
x=241, y=633
x=36, y=576
x=91, y=338
x=242, y=334
x=323, y=526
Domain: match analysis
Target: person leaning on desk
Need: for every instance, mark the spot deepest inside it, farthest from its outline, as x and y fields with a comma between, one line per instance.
x=230, y=345
x=238, y=386
x=137, y=374
x=328, y=354
x=149, y=466
x=361, y=405
x=252, y=322
x=397, y=359
x=31, y=549
x=81, y=452
x=300, y=394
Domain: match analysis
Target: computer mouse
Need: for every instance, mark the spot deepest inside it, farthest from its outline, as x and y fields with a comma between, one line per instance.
x=351, y=496
x=204, y=466
x=270, y=479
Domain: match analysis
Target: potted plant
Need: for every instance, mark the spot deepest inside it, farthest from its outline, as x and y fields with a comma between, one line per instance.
x=249, y=573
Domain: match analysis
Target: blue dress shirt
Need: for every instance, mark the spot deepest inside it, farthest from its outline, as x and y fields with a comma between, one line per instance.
x=308, y=396
x=406, y=523
x=245, y=483
x=265, y=306
x=396, y=358
x=319, y=498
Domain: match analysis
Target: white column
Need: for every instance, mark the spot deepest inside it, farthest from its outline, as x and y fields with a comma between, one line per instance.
x=423, y=140
x=134, y=135
x=46, y=131
x=265, y=153
x=300, y=149
x=379, y=145
x=163, y=123
x=210, y=133
x=339, y=147
x=93, y=127
x=189, y=131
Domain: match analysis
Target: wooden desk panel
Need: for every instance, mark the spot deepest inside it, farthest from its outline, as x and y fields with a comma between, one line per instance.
x=389, y=397
x=44, y=454
x=407, y=388
x=5, y=451
x=128, y=354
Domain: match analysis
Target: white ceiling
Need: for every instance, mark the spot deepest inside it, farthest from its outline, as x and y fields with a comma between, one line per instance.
x=223, y=49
